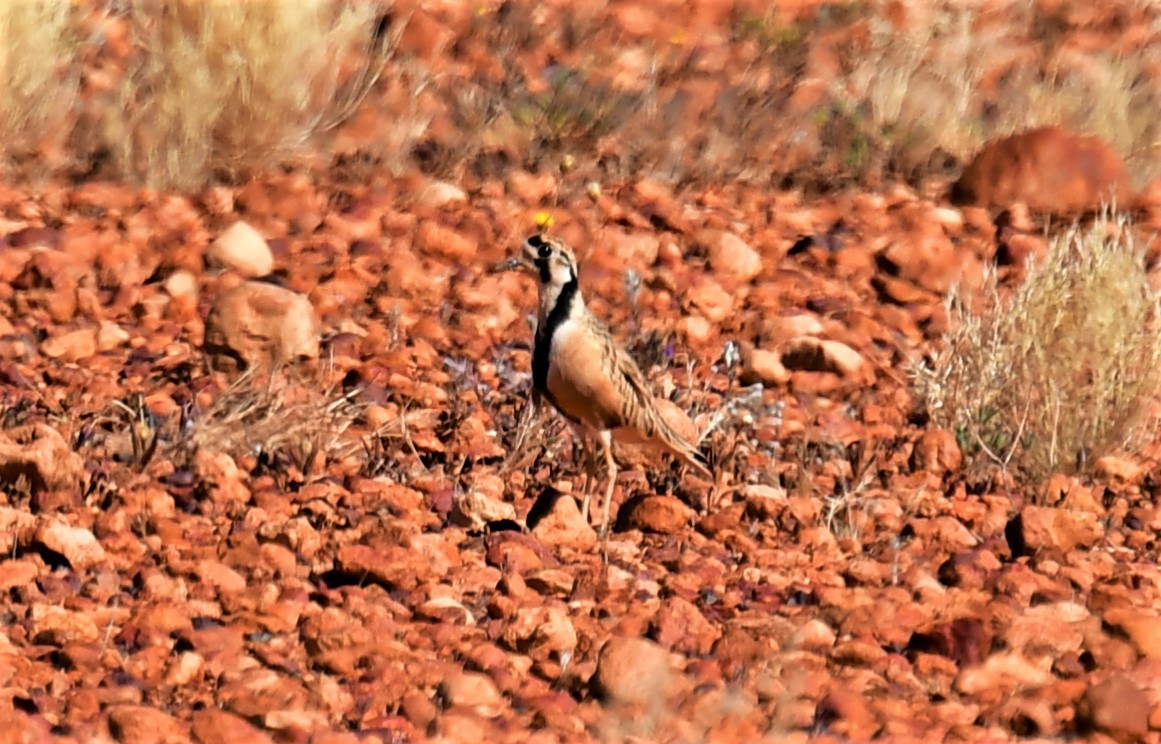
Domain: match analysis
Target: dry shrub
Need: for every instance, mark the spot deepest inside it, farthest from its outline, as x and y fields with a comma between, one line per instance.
x=223, y=88
x=921, y=92
x=916, y=88
x=286, y=424
x=1061, y=370
x=39, y=73
x=1110, y=97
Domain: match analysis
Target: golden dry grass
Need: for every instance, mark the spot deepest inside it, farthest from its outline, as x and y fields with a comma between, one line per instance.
x=1062, y=370
x=39, y=74
x=926, y=90
x=241, y=86
x=275, y=418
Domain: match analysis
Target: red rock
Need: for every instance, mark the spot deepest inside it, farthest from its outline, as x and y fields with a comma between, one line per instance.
x=514, y=552
x=632, y=672
x=73, y=346
x=219, y=471
x=820, y=355
x=1054, y=629
x=434, y=239
x=710, y=300
x=137, y=724
x=1049, y=169
x=258, y=325
x=764, y=502
x=242, y=249
x=563, y=526
x=785, y=328
x=472, y=691
x=17, y=727
x=553, y=581
x=1020, y=249
x=111, y=336
x=530, y=189
x=731, y=256
x=441, y=194
x=937, y=451
x=858, y=652
x=186, y=669
x=17, y=572
x=1117, y=707
x=680, y=626
x=393, y=565
x=445, y=610
x=846, y=714
x=419, y=709
x=665, y=515
x=213, y=724
x=656, y=201
x=1141, y=627
x=637, y=249
x=475, y=508
x=1063, y=529
x=543, y=633
x=1119, y=469
x=1023, y=714
x=461, y=725
x=220, y=576
x=17, y=528
x=39, y=454
x=901, y=291
x=57, y=626
x=762, y=365
x=77, y=544
x=923, y=255
x=1000, y=674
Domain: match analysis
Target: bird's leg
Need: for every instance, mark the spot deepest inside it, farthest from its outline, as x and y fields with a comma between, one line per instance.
x=587, y=458
x=611, y=469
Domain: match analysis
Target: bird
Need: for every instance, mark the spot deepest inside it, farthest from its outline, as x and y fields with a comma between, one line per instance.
x=581, y=370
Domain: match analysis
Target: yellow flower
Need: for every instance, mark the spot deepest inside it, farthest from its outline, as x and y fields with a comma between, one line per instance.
x=544, y=220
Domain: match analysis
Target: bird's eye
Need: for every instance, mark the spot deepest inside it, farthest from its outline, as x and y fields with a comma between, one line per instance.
x=544, y=251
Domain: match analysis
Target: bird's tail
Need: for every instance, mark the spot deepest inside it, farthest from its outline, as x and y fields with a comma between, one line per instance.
x=683, y=448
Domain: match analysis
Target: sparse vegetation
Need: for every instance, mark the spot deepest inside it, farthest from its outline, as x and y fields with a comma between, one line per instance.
x=39, y=75
x=1065, y=368
x=386, y=540
x=289, y=428
x=195, y=92
x=246, y=87
x=238, y=87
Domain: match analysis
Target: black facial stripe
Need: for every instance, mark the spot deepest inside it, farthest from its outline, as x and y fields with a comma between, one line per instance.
x=535, y=241
x=556, y=316
x=544, y=269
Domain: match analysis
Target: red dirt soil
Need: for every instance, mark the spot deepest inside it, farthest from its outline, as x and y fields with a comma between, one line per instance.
x=376, y=547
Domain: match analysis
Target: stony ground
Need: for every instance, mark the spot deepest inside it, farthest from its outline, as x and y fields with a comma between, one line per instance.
x=379, y=543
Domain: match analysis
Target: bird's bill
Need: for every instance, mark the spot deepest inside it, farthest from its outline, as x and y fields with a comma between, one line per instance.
x=512, y=264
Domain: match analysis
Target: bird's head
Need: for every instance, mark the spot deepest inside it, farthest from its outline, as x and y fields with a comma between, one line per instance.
x=549, y=260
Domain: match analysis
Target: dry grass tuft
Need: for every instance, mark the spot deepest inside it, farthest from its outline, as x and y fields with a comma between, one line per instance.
x=240, y=86
x=934, y=89
x=847, y=93
x=1064, y=369
x=284, y=425
x=39, y=73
